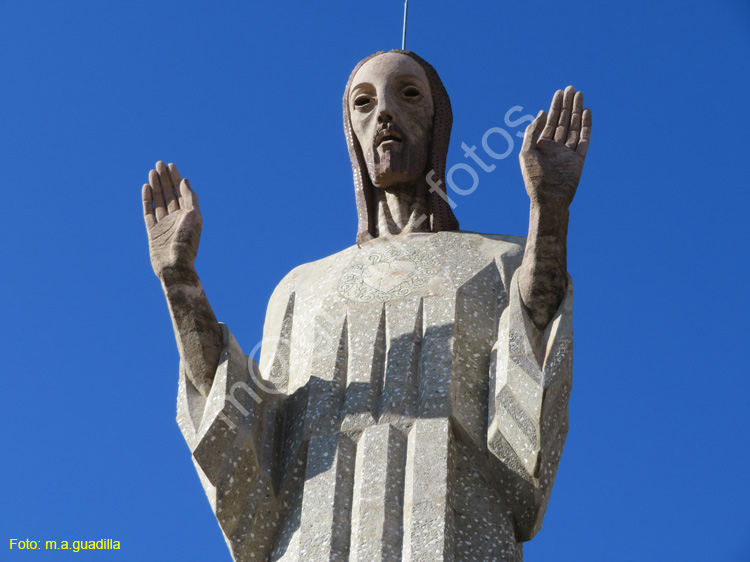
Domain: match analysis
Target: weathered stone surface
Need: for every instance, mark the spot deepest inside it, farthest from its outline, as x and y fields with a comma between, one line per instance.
x=457, y=395
x=411, y=398
x=378, y=495
x=429, y=525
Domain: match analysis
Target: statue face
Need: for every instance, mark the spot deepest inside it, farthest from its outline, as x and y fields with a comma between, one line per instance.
x=391, y=110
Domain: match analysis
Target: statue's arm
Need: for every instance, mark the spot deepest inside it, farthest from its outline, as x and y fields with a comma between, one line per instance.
x=552, y=157
x=530, y=381
x=173, y=224
x=233, y=435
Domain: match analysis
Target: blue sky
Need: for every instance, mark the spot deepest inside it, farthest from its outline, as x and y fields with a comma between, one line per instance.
x=246, y=99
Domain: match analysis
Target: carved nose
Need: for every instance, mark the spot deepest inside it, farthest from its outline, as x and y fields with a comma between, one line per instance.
x=385, y=116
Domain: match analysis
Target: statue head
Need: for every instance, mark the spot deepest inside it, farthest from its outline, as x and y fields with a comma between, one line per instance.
x=397, y=119
x=391, y=113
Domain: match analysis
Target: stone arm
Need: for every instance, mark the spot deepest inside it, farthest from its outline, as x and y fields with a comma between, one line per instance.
x=196, y=329
x=227, y=415
x=173, y=224
x=232, y=434
x=552, y=157
x=530, y=382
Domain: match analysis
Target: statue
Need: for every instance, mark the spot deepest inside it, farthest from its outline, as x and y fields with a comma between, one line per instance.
x=411, y=397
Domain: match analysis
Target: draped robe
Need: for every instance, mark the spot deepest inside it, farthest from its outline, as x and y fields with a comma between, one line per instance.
x=405, y=407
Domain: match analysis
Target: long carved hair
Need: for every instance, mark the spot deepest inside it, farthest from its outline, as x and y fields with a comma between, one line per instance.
x=441, y=216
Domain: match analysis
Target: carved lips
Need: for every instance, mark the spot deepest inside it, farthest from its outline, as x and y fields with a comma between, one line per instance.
x=388, y=135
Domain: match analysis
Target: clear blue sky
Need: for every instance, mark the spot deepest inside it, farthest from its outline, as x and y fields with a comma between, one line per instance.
x=246, y=99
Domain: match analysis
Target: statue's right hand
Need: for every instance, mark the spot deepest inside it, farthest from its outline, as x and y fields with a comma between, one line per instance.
x=173, y=219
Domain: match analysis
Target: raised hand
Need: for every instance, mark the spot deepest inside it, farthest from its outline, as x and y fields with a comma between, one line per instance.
x=551, y=163
x=173, y=223
x=173, y=220
x=552, y=157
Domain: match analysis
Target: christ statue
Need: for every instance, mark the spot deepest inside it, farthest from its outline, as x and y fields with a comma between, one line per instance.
x=411, y=397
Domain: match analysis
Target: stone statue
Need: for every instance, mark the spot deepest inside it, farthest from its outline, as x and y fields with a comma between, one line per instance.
x=411, y=397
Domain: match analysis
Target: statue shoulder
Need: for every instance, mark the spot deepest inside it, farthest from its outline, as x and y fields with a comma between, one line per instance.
x=502, y=247
x=311, y=275
x=306, y=280
x=505, y=251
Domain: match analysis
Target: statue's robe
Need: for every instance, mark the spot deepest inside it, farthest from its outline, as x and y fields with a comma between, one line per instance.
x=405, y=408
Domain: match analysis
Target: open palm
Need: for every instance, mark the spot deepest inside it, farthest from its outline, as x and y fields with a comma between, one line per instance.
x=173, y=219
x=554, y=150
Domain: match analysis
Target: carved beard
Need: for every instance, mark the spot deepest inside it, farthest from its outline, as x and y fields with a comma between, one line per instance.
x=401, y=164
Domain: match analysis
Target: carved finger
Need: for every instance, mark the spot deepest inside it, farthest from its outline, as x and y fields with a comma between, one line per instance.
x=158, y=195
x=575, y=121
x=167, y=187
x=567, y=108
x=187, y=196
x=554, y=115
x=174, y=175
x=532, y=131
x=148, y=206
x=583, y=144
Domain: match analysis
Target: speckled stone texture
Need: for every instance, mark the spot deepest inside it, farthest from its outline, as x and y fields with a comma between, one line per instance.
x=405, y=408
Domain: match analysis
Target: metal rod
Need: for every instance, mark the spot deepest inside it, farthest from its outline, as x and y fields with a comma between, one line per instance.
x=406, y=14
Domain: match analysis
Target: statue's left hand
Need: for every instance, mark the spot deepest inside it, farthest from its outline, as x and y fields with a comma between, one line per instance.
x=551, y=163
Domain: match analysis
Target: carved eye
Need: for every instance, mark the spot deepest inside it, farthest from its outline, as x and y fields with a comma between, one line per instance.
x=412, y=92
x=362, y=101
